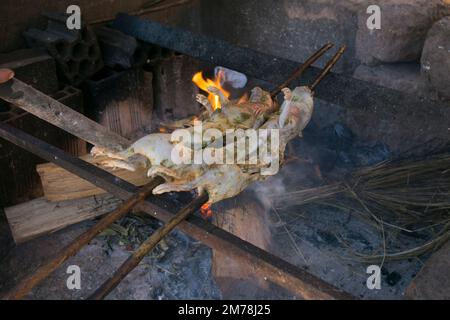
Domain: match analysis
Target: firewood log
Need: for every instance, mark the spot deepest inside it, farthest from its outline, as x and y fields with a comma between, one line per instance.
x=59, y=184
x=39, y=216
x=245, y=217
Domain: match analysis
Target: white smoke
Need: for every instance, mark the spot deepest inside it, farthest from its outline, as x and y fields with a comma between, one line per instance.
x=268, y=190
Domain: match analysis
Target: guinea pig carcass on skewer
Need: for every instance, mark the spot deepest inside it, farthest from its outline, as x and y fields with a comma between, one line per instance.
x=221, y=181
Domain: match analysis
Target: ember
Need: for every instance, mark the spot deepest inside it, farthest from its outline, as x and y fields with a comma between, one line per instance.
x=206, y=211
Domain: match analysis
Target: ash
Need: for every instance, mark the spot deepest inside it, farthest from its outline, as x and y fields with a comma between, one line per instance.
x=179, y=268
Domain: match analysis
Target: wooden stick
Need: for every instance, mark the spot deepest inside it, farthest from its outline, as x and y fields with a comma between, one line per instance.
x=299, y=71
x=146, y=247
x=27, y=284
x=60, y=185
x=58, y=114
x=39, y=216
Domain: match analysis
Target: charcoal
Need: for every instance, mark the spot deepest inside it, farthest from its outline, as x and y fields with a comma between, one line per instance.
x=119, y=49
x=77, y=52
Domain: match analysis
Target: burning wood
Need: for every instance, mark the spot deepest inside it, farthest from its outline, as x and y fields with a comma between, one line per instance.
x=206, y=84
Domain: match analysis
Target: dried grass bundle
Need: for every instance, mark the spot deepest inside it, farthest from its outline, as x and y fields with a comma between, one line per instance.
x=405, y=195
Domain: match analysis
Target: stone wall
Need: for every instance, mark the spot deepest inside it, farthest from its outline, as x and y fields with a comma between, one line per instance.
x=436, y=58
x=389, y=57
x=293, y=29
x=290, y=29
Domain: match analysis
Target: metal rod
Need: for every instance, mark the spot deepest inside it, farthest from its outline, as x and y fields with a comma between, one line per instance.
x=146, y=247
x=328, y=68
x=265, y=265
x=27, y=284
x=300, y=70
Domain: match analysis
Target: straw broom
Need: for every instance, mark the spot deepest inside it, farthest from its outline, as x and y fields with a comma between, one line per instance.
x=403, y=195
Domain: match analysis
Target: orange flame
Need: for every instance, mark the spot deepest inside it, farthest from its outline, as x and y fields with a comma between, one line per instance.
x=204, y=84
x=206, y=211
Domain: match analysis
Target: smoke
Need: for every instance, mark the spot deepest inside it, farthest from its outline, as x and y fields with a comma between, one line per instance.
x=293, y=175
x=266, y=191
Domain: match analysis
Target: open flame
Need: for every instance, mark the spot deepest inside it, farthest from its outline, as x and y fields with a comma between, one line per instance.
x=205, y=84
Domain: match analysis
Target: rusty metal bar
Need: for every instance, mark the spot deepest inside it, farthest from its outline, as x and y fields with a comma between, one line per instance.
x=327, y=69
x=298, y=281
x=301, y=69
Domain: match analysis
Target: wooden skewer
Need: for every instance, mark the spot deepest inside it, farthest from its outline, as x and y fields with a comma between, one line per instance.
x=299, y=71
x=27, y=284
x=48, y=109
x=146, y=247
x=328, y=68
